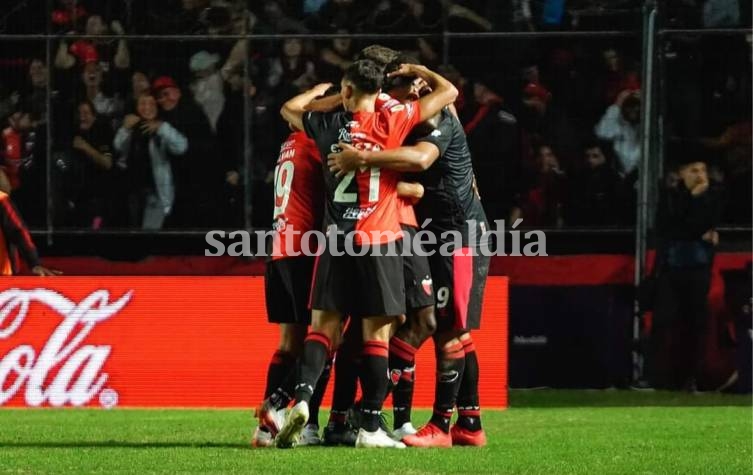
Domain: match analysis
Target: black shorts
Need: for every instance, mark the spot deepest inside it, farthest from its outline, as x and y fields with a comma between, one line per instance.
x=419, y=291
x=360, y=286
x=286, y=287
x=459, y=282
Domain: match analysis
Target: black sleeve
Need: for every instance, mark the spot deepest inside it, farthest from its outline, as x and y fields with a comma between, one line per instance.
x=441, y=135
x=313, y=124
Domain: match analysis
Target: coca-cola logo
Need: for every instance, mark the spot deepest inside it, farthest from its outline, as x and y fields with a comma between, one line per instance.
x=79, y=375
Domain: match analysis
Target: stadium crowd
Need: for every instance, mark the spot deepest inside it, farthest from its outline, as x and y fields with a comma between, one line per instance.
x=155, y=133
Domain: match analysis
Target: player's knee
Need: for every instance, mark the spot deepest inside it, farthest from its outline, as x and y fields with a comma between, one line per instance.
x=427, y=322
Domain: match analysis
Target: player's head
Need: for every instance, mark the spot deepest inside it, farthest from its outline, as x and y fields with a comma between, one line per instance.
x=381, y=55
x=404, y=88
x=362, y=78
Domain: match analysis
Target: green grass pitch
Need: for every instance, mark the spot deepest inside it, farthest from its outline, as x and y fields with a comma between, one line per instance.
x=547, y=432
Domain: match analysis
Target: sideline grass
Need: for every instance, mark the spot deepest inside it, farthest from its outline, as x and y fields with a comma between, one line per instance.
x=552, y=432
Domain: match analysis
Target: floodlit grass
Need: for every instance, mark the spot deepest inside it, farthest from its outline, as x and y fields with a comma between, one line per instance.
x=551, y=432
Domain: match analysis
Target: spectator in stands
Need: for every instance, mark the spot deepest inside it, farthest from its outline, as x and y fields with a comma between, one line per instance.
x=593, y=199
x=686, y=222
x=109, y=107
x=147, y=146
x=35, y=92
x=89, y=175
x=721, y=14
x=540, y=201
x=232, y=129
x=293, y=71
x=23, y=161
x=492, y=133
x=341, y=14
x=200, y=172
x=273, y=18
x=736, y=147
x=334, y=59
x=113, y=58
x=620, y=126
x=139, y=85
x=410, y=16
x=615, y=78
x=208, y=87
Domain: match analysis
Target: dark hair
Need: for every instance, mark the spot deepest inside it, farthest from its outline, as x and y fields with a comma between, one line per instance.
x=365, y=75
x=394, y=65
x=89, y=104
x=381, y=55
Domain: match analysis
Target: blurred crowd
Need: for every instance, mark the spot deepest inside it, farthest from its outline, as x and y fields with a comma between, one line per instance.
x=156, y=133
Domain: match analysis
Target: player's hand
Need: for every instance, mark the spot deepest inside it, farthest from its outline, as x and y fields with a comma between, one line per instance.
x=43, y=271
x=346, y=160
x=405, y=70
x=130, y=121
x=320, y=89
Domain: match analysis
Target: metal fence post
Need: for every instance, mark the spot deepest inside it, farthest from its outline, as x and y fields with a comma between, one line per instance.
x=644, y=175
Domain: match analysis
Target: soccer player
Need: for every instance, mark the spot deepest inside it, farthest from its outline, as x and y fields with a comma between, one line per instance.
x=443, y=157
x=360, y=202
x=15, y=240
x=298, y=189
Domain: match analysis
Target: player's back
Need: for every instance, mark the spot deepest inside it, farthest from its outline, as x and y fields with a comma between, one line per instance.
x=298, y=192
x=449, y=198
x=365, y=199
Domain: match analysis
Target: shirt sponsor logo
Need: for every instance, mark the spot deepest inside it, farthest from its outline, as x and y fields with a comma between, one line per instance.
x=357, y=214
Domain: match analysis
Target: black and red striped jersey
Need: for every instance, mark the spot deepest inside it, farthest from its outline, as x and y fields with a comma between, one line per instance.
x=298, y=193
x=366, y=199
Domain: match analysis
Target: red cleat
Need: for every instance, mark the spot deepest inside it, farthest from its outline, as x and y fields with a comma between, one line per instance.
x=270, y=419
x=463, y=436
x=429, y=436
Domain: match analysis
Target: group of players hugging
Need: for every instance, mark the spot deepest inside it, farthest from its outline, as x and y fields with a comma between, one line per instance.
x=374, y=157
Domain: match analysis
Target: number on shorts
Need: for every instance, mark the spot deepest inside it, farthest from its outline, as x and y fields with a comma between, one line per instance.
x=443, y=297
x=283, y=182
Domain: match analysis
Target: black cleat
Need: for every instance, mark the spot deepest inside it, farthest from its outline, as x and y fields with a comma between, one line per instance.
x=339, y=434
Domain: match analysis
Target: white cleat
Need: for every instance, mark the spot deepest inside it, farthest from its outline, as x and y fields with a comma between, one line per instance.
x=310, y=435
x=403, y=430
x=376, y=440
x=290, y=432
x=262, y=438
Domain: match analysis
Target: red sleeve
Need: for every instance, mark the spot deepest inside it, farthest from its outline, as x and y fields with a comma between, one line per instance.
x=16, y=233
x=402, y=118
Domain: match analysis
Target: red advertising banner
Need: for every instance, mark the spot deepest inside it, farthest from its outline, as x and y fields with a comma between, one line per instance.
x=172, y=342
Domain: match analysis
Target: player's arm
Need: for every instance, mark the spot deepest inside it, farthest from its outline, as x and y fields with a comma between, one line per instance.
x=415, y=158
x=410, y=191
x=16, y=232
x=293, y=110
x=325, y=104
x=443, y=91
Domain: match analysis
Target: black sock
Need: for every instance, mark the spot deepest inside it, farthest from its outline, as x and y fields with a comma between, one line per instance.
x=469, y=411
x=321, y=387
x=313, y=359
x=281, y=365
x=402, y=397
x=374, y=383
x=450, y=366
x=347, y=364
x=402, y=366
